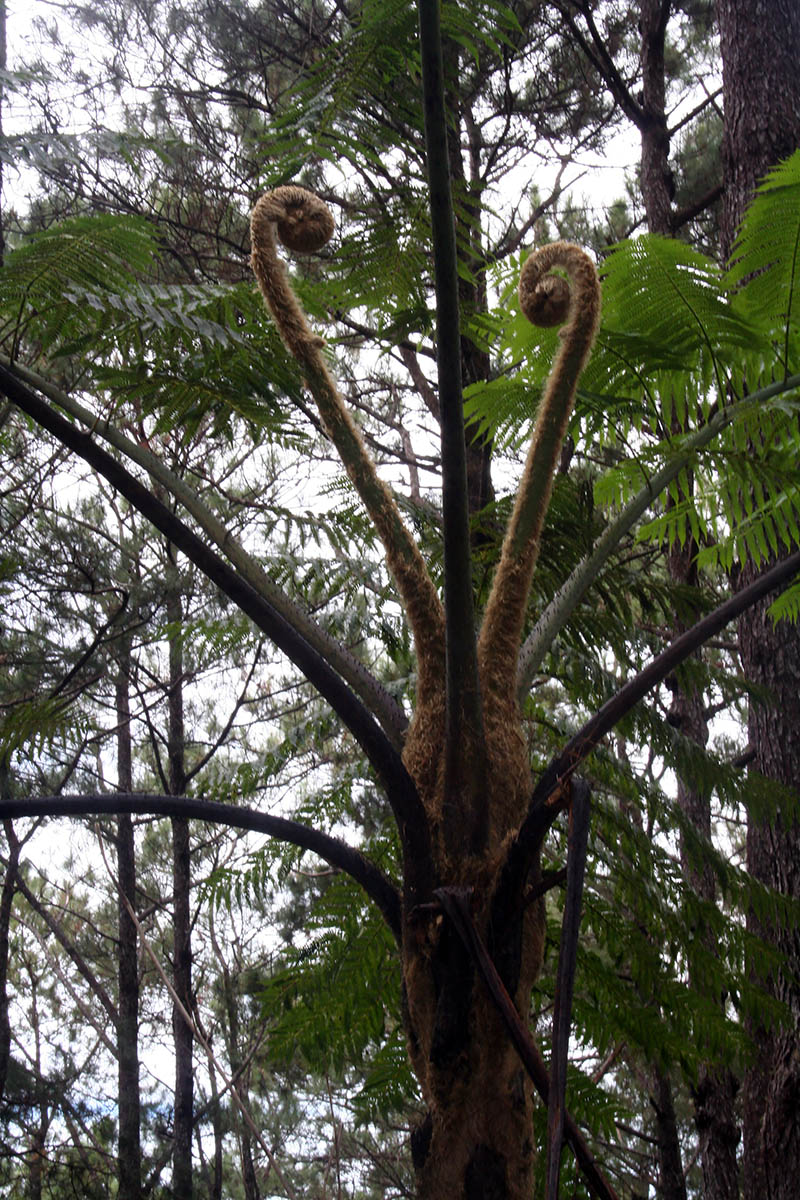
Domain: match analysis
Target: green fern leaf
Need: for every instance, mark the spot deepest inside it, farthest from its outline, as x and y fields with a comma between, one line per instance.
x=764, y=275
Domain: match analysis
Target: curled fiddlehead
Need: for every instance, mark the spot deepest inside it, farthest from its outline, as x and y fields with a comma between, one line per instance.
x=547, y=300
x=304, y=223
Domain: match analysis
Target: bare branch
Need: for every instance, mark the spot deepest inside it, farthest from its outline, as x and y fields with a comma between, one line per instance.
x=398, y=785
x=377, y=885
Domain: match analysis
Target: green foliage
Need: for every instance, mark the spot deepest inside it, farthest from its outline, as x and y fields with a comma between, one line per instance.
x=764, y=274
x=335, y=1000
x=45, y=278
x=36, y=724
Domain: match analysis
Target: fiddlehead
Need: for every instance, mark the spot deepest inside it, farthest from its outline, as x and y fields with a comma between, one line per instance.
x=546, y=300
x=304, y=223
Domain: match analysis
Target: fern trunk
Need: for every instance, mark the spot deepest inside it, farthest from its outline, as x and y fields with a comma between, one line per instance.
x=477, y=1138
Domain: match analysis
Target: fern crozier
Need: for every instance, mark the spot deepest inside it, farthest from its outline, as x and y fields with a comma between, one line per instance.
x=546, y=300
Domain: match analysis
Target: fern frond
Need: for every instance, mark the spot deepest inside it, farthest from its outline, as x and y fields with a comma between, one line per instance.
x=764, y=274
x=663, y=291
x=83, y=254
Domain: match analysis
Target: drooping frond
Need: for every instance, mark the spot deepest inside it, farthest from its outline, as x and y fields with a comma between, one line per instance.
x=82, y=255
x=92, y=287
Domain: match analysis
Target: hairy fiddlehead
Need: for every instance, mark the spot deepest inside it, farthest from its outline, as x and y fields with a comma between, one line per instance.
x=304, y=223
x=547, y=300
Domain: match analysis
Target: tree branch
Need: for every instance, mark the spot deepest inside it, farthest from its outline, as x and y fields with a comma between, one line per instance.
x=58, y=932
x=378, y=886
x=400, y=790
x=363, y=683
x=682, y=216
x=603, y=63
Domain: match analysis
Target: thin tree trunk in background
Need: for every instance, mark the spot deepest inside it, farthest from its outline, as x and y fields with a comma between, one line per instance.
x=216, y=1123
x=6, y=905
x=36, y=1155
x=181, y=886
x=760, y=42
x=249, y=1180
x=182, y=1034
x=672, y=1182
x=39, y=1127
x=714, y=1094
x=230, y=997
x=129, y=1149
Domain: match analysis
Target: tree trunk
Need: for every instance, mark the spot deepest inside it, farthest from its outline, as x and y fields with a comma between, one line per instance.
x=658, y=186
x=181, y=887
x=672, y=1182
x=760, y=41
x=771, y=658
x=714, y=1092
x=129, y=1149
x=713, y=1098
x=6, y=905
x=477, y=1140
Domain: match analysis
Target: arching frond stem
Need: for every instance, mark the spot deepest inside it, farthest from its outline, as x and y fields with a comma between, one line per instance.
x=546, y=300
x=463, y=710
x=377, y=885
x=354, y=673
x=304, y=223
x=399, y=787
x=551, y=794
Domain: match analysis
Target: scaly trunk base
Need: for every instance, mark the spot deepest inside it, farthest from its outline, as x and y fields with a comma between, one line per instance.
x=479, y=1146
x=477, y=1140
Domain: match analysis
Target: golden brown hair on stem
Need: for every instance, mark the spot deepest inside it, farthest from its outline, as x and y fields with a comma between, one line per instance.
x=304, y=223
x=547, y=300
